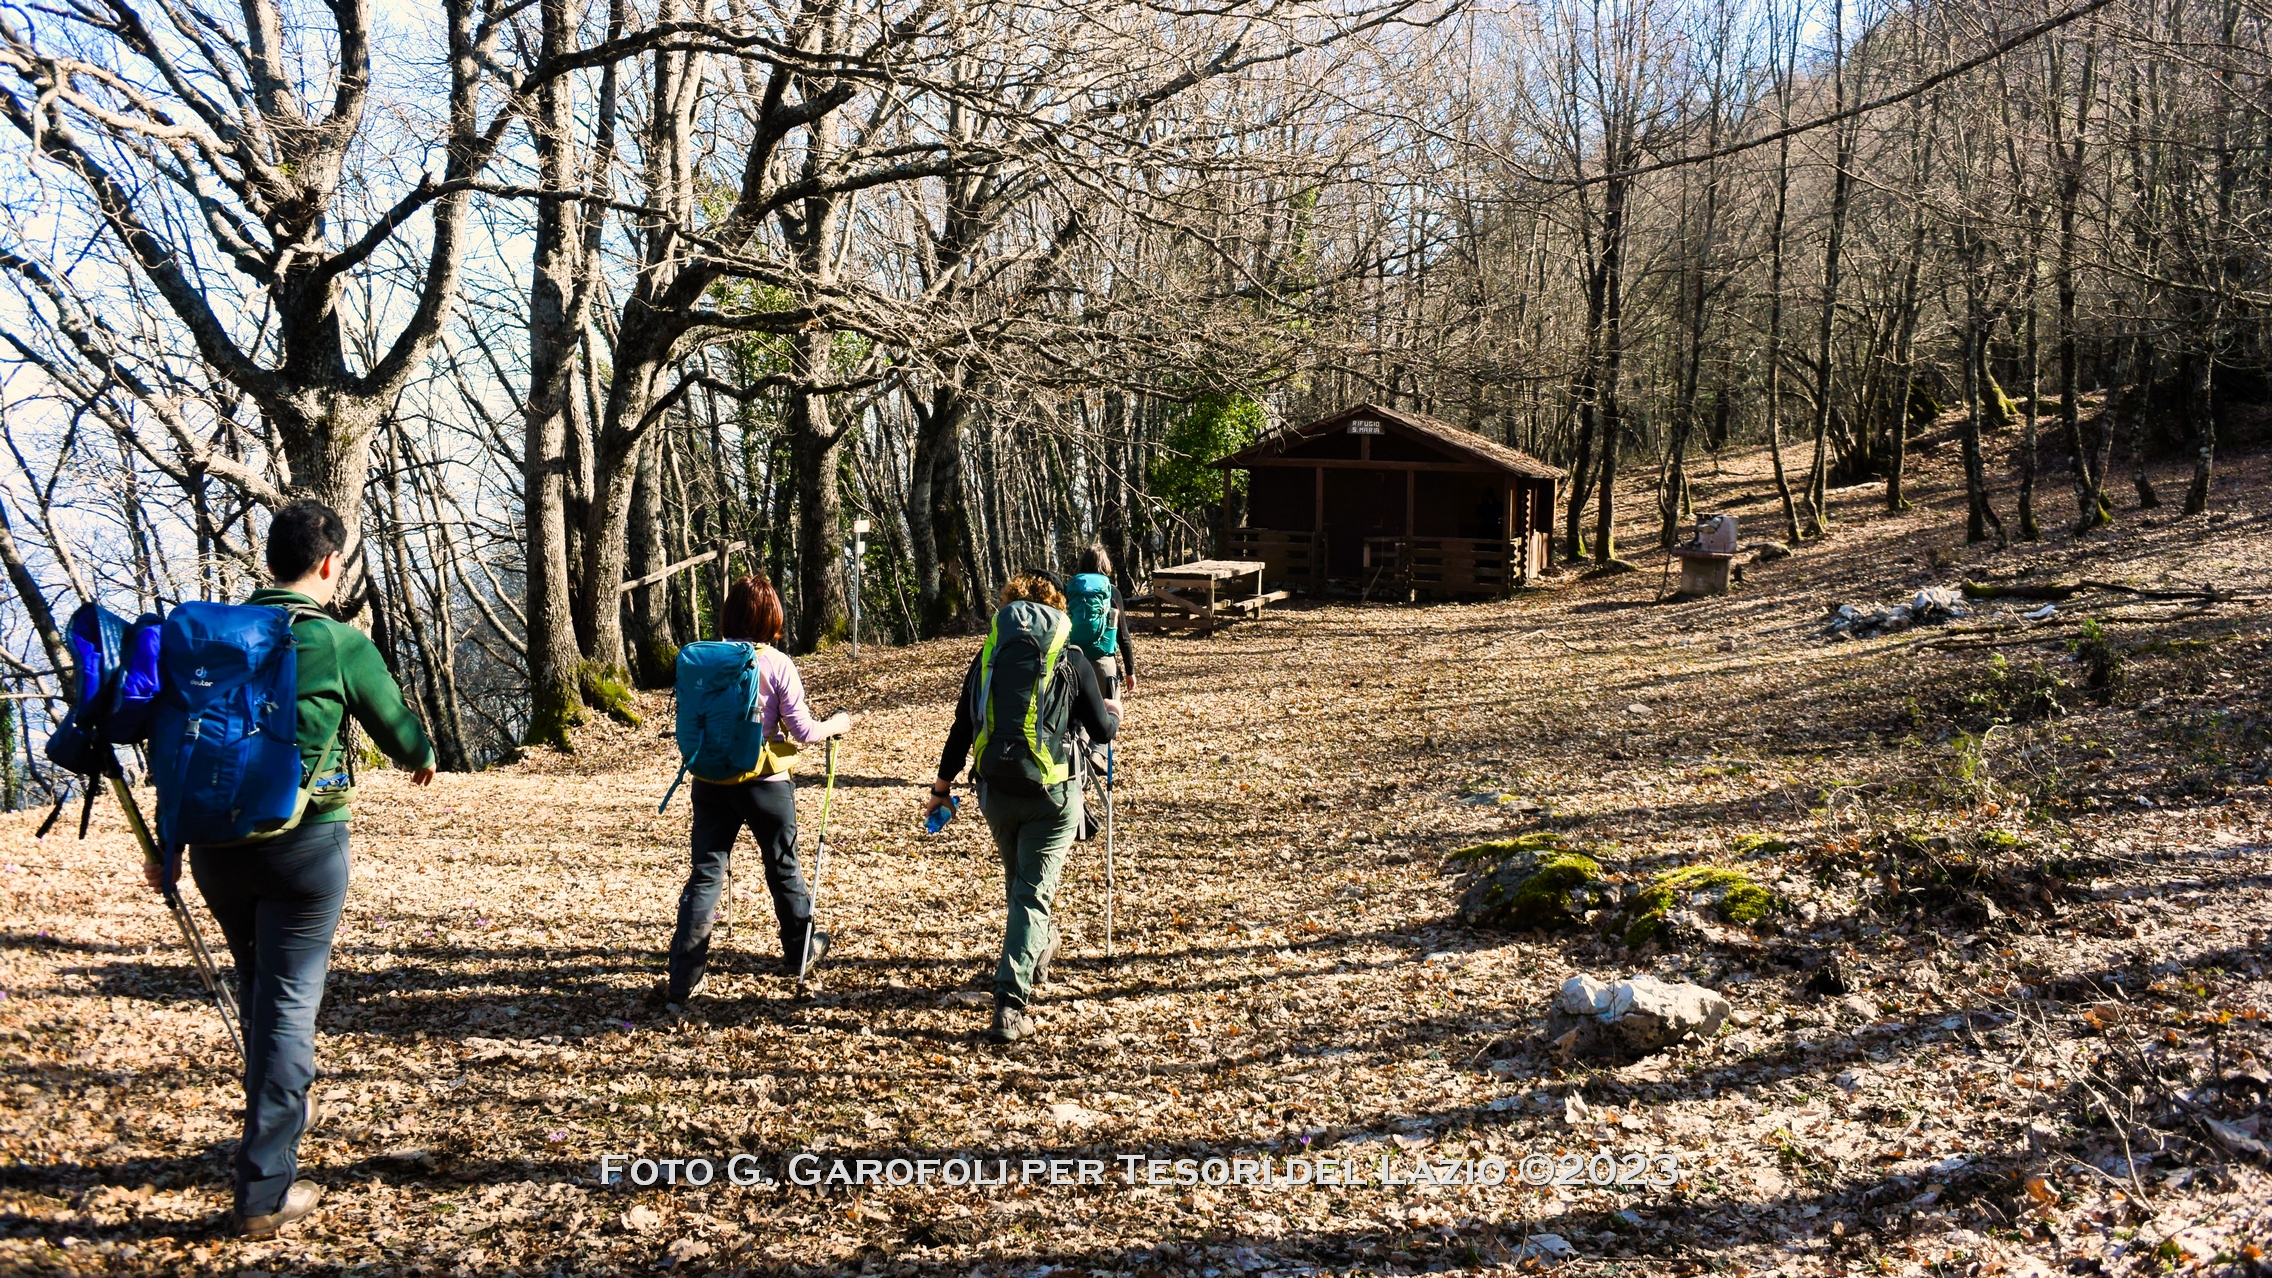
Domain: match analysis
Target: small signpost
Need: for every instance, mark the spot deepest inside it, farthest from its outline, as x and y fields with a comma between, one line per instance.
x=859, y=551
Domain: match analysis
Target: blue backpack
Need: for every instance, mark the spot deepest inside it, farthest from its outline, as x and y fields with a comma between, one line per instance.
x=224, y=735
x=719, y=740
x=117, y=667
x=1088, y=601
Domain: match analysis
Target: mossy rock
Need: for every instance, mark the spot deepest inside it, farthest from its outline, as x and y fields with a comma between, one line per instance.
x=1536, y=881
x=1729, y=894
x=1540, y=843
x=1761, y=845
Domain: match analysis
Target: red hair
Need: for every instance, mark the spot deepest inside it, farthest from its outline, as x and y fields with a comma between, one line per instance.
x=752, y=612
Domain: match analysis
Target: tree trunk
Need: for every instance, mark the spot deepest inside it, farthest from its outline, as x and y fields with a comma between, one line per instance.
x=36, y=607
x=2141, y=402
x=822, y=613
x=1613, y=361
x=1980, y=516
x=1674, y=500
x=1841, y=198
x=2201, y=412
x=426, y=686
x=1581, y=472
x=644, y=348
x=654, y=647
x=1775, y=240
x=938, y=518
x=2028, y=529
x=555, y=338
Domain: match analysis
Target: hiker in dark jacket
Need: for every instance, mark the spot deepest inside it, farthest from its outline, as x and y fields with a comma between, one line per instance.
x=1031, y=832
x=766, y=804
x=278, y=898
x=1096, y=560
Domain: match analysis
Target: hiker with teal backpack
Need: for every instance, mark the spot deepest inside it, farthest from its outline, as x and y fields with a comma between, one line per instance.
x=1100, y=623
x=249, y=753
x=742, y=714
x=1100, y=631
x=1026, y=691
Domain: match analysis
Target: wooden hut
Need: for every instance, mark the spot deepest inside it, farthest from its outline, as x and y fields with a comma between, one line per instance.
x=1395, y=501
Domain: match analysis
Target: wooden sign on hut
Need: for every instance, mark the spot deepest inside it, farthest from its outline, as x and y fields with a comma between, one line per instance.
x=1395, y=502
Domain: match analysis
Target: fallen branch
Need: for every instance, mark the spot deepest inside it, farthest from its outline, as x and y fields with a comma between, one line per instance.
x=679, y=567
x=2059, y=592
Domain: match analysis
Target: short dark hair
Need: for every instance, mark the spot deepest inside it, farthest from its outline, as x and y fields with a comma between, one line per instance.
x=752, y=613
x=1096, y=560
x=300, y=535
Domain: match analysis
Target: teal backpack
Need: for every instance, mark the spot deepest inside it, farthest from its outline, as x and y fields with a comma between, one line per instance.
x=717, y=689
x=1025, y=699
x=1088, y=601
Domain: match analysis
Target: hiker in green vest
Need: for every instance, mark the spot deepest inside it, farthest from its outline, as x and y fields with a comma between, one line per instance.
x=278, y=898
x=1027, y=688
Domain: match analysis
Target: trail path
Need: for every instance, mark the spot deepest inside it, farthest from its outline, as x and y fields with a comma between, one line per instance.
x=1291, y=977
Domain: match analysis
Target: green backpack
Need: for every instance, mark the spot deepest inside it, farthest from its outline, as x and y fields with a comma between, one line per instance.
x=1025, y=698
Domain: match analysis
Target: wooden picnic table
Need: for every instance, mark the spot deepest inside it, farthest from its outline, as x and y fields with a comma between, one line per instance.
x=1206, y=594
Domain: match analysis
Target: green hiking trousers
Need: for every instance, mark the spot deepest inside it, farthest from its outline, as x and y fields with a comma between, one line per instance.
x=1033, y=835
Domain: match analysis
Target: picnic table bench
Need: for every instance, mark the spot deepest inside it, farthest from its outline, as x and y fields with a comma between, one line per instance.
x=1206, y=594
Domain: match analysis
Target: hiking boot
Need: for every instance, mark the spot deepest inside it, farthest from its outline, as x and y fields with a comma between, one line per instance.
x=665, y=992
x=1011, y=1024
x=1048, y=956
x=299, y=1202
x=820, y=951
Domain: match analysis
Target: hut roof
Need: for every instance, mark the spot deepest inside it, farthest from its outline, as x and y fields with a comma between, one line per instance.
x=1432, y=430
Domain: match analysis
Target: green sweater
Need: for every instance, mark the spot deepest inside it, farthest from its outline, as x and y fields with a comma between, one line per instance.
x=341, y=671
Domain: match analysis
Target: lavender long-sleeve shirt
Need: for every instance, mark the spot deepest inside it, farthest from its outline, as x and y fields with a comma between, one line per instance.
x=781, y=704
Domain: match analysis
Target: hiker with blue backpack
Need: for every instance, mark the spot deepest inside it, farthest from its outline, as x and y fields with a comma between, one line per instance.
x=249, y=753
x=742, y=714
x=1027, y=690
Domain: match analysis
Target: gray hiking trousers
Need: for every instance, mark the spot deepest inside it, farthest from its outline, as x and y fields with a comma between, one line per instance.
x=1033, y=835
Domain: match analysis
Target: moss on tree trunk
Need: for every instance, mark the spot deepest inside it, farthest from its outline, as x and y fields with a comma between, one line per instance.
x=607, y=689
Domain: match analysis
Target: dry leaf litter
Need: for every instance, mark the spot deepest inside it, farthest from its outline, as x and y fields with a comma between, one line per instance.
x=2003, y=1012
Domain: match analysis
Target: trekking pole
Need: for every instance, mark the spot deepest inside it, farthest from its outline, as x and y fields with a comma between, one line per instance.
x=1107, y=849
x=200, y=957
x=820, y=866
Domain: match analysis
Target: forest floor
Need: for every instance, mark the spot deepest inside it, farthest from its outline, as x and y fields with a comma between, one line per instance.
x=2046, y=903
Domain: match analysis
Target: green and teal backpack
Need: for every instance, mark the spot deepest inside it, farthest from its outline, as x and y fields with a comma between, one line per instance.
x=1025, y=699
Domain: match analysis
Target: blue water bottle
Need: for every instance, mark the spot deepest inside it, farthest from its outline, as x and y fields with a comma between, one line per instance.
x=939, y=817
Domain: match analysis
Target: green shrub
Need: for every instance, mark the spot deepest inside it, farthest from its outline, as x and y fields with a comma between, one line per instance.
x=2102, y=661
